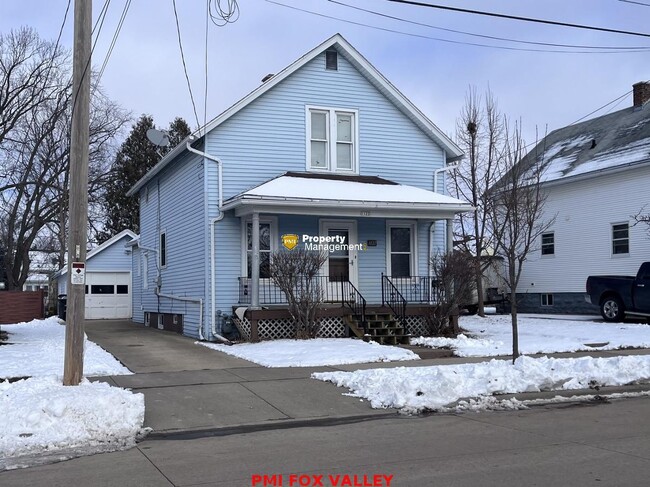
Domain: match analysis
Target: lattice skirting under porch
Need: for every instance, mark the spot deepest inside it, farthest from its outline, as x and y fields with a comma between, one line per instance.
x=274, y=329
x=417, y=326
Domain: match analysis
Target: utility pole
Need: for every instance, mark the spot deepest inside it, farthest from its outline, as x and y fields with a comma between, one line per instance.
x=78, y=191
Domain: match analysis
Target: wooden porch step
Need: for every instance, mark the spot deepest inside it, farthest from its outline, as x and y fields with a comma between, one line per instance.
x=383, y=328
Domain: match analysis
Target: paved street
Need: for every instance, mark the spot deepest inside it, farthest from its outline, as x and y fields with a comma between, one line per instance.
x=605, y=445
x=219, y=420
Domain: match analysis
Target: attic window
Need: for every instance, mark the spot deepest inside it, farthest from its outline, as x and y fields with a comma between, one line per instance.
x=593, y=143
x=331, y=60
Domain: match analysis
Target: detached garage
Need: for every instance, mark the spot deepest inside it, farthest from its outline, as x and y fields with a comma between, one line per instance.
x=108, y=279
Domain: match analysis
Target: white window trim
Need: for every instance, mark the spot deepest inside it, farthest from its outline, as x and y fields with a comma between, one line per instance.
x=611, y=240
x=541, y=300
x=413, y=225
x=273, y=221
x=160, y=264
x=541, y=247
x=331, y=142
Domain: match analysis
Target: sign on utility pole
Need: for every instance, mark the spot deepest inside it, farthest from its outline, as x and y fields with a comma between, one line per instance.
x=78, y=193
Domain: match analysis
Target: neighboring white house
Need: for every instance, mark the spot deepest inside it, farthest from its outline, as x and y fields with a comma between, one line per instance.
x=597, y=178
x=108, y=279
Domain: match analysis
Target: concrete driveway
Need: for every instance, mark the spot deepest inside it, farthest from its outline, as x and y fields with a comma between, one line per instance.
x=188, y=387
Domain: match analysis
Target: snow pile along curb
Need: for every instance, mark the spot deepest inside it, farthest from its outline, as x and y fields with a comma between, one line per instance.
x=432, y=388
x=42, y=420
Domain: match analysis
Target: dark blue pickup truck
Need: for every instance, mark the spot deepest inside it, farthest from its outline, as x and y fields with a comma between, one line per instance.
x=618, y=296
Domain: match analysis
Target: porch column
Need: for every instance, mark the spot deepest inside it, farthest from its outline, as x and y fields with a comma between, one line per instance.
x=450, y=235
x=255, y=262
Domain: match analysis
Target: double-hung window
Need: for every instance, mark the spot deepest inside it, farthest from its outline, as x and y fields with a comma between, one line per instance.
x=401, y=249
x=548, y=243
x=620, y=238
x=333, y=143
x=268, y=236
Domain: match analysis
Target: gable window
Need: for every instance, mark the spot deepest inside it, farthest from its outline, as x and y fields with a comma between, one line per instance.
x=163, y=249
x=401, y=250
x=268, y=237
x=620, y=238
x=331, y=60
x=332, y=144
x=548, y=243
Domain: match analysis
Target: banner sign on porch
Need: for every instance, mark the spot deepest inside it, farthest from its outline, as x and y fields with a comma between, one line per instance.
x=78, y=274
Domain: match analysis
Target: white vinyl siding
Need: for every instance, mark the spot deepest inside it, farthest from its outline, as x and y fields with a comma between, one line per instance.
x=584, y=211
x=332, y=144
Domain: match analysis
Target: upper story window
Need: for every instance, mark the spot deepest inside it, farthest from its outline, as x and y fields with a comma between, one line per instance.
x=620, y=238
x=548, y=243
x=162, y=251
x=333, y=142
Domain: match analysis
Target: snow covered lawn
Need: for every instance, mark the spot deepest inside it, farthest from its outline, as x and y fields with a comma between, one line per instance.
x=37, y=349
x=493, y=336
x=313, y=353
x=43, y=421
x=414, y=389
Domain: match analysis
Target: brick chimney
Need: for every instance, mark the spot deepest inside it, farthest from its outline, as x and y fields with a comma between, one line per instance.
x=641, y=93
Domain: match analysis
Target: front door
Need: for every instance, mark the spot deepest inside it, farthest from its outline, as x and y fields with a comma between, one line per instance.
x=341, y=264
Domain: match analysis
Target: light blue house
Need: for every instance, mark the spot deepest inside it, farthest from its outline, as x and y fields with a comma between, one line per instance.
x=327, y=150
x=108, y=279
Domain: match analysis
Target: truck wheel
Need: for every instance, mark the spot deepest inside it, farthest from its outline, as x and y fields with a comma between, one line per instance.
x=612, y=309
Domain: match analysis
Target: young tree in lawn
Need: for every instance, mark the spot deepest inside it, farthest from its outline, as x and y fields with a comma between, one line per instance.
x=295, y=272
x=136, y=156
x=518, y=217
x=480, y=133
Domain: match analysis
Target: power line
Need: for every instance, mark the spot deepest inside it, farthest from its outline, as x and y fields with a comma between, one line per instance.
x=449, y=41
x=523, y=19
x=120, y=23
x=205, y=91
x=223, y=15
x=636, y=3
x=550, y=44
x=187, y=78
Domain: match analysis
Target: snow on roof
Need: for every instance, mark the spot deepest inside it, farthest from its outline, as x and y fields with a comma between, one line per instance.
x=352, y=189
x=607, y=142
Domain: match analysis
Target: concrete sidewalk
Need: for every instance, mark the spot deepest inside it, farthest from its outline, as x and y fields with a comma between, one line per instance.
x=189, y=388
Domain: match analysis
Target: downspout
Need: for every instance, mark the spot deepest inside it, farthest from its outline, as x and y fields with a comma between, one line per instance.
x=213, y=221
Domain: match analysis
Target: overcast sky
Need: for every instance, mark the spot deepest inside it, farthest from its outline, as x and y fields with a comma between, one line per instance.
x=145, y=73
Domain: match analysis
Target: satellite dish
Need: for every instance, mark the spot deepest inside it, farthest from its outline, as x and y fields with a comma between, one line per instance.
x=158, y=137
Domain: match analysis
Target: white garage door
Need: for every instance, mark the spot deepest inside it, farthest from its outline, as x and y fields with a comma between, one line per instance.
x=108, y=295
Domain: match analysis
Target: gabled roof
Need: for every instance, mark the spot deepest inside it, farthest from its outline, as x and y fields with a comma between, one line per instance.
x=111, y=241
x=360, y=63
x=610, y=142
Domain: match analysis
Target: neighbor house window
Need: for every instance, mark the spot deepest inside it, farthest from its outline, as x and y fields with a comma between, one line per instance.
x=548, y=243
x=163, y=249
x=547, y=300
x=268, y=237
x=145, y=271
x=332, y=144
x=401, y=249
x=620, y=238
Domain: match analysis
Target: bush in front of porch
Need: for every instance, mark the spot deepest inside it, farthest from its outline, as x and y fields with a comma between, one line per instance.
x=295, y=272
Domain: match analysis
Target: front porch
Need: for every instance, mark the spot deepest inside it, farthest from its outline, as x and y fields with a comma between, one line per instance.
x=378, y=236
x=345, y=312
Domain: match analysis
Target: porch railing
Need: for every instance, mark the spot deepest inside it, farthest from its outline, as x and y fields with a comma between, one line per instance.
x=415, y=289
x=332, y=291
x=354, y=300
x=391, y=297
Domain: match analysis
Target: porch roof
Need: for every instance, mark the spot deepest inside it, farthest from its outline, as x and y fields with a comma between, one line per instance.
x=343, y=195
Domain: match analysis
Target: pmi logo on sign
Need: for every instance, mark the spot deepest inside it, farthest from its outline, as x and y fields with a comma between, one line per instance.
x=290, y=240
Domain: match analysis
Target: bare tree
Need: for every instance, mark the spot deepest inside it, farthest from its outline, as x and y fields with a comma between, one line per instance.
x=454, y=276
x=34, y=149
x=518, y=214
x=480, y=133
x=295, y=272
